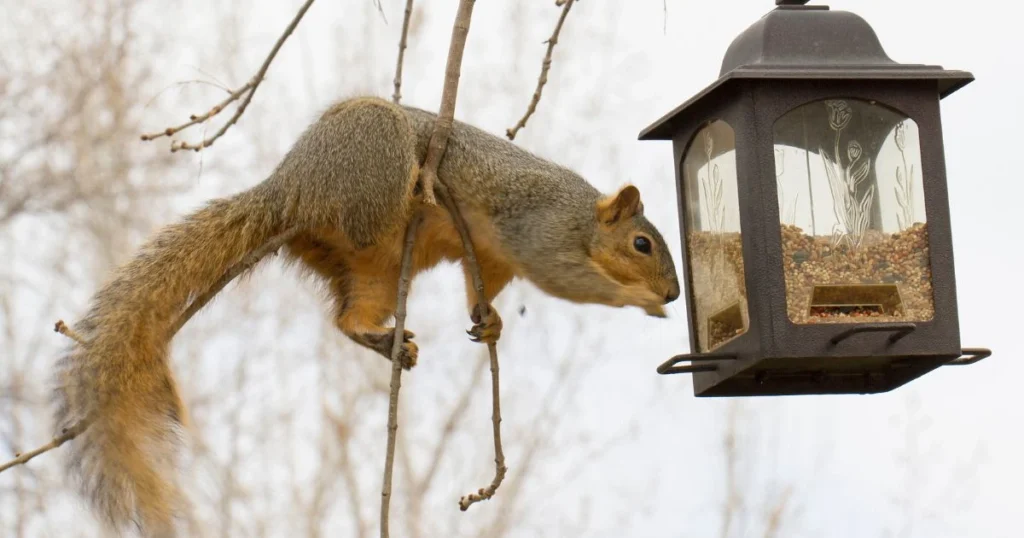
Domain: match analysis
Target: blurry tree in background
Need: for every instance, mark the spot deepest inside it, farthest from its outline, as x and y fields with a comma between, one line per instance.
x=289, y=416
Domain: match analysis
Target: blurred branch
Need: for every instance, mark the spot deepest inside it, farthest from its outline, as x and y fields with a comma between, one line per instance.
x=247, y=90
x=343, y=429
x=545, y=67
x=421, y=485
x=777, y=514
x=397, y=97
x=733, y=499
x=380, y=9
x=664, y=17
x=396, y=368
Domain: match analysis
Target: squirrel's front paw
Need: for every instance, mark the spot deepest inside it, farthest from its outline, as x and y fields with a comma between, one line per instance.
x=487, y=329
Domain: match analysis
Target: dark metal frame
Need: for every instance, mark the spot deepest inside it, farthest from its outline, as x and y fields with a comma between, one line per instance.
x=758, y=86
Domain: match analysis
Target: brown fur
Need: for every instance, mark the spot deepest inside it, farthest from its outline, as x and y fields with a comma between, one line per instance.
x=348, y=185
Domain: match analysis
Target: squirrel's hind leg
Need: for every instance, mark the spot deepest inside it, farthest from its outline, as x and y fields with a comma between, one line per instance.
x=362, y=302
x=369, y=301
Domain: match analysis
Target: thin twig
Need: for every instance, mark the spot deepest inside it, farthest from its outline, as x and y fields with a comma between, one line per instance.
x=484, y=308
x=242, y=266
x=499, y=456
x=68, y=433
x=446, y=115
x=248, y=90
x=545, y=67
x=380, y=9
x=397, y=97
x=62, y=328
x=396, y=368
x=65, y=436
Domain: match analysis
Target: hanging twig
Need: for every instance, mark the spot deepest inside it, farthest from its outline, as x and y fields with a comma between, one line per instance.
x=545, y=67
x=396, y=368
x=478, y=284
x=397, y=96
x=247, y=90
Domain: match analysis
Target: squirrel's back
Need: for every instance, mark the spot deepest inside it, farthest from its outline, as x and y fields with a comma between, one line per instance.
x=488, y=170
x=535, y=209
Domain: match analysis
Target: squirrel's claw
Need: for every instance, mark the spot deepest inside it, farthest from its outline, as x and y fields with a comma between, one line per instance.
x=410, y=351
x=382, y=342
x=408, y=355
x=487, y=329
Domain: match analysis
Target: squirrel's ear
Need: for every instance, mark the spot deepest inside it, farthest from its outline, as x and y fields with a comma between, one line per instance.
x=623, y=205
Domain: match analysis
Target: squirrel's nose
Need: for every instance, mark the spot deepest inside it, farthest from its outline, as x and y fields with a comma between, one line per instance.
x=672, y=295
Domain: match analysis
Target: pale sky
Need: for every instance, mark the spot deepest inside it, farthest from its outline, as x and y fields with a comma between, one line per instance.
x=838, y=452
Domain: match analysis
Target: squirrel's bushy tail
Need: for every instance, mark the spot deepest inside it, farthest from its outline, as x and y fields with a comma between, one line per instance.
x=120, y=380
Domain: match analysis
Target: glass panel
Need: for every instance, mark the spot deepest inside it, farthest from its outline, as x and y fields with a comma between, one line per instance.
x=851, y=207
x=713, y=236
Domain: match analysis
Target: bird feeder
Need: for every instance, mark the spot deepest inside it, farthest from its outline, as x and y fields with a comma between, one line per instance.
x=814, y=213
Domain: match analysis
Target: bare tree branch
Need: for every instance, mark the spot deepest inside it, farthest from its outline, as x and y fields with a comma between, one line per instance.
x=247, y=90
x=545, y=67
x=65, y=436
x=429, y=183
x=446, y=115
x=396, y=369
x=397, y=97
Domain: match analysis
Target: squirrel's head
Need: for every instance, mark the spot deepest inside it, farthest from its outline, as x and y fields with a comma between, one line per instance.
x=631, y=251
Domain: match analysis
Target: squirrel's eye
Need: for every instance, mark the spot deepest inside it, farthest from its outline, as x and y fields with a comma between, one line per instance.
x=642, y=244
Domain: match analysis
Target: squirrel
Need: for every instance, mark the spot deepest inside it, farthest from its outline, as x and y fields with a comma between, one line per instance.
x=349, y=185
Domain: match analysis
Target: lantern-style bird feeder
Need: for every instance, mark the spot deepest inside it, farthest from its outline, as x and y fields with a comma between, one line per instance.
x=813, y=207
